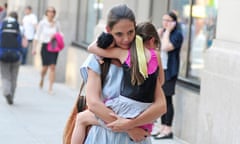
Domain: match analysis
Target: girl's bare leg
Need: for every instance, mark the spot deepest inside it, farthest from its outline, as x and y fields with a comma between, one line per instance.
x=83, y=120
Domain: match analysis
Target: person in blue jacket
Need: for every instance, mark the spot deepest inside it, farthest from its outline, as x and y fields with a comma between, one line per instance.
x=10, y=55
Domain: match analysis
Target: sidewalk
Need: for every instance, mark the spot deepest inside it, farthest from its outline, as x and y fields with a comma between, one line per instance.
x=37, y=117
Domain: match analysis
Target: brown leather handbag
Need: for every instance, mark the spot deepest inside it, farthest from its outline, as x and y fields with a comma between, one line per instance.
x=79, y=106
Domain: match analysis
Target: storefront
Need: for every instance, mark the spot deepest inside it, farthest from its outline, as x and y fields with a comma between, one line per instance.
x=207, y=96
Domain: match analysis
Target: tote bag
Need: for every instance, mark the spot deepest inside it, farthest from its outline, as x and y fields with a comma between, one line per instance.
x=79, y=106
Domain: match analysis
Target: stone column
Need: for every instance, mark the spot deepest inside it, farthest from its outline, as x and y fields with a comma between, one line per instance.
x=218, y=121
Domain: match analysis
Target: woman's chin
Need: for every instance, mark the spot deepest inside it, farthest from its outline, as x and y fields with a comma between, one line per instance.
x=124, y=46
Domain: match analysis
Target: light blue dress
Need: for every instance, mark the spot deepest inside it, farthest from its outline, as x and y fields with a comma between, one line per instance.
x=111, y=89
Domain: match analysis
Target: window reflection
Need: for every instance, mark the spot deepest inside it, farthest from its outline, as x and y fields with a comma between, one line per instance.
x=203, y=32
x=94, y=13
x=198, y=24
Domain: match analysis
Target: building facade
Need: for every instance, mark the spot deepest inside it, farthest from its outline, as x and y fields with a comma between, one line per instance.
x=206, y=100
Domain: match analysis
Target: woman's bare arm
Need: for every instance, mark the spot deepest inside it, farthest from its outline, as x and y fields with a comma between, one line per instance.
x=93, y=93
x=95, y=105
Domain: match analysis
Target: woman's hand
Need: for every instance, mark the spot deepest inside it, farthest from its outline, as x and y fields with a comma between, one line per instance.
x=138, y=134
x=160, y=32
x=120, y=124
x=171, y=26
x=34, y=47
x=34, y=51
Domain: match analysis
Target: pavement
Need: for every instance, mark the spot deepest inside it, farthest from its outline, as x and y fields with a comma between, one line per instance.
x=37, y=117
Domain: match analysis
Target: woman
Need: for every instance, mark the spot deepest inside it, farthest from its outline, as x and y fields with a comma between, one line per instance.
x=45, y=32
x=171, y=40
x=121, y=24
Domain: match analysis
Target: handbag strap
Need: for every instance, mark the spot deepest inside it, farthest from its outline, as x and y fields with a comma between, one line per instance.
x=81, y=100
x=81, y=88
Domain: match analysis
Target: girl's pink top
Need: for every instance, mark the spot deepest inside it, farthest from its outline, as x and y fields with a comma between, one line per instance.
x=152, y=64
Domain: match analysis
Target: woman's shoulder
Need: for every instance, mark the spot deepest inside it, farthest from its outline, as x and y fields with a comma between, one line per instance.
x=92, y=63
x=177, y=33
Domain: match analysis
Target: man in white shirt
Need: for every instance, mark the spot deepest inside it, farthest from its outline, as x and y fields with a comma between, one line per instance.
x=29, y=26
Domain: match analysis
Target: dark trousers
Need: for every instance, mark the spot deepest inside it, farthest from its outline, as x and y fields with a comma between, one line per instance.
x=24, y=55
x=26, y=51
x=167, y=118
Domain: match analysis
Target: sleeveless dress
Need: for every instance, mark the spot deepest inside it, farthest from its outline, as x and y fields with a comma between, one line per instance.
x=100, y=134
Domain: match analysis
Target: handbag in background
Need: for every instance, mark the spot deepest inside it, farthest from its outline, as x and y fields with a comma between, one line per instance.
x=56, y=44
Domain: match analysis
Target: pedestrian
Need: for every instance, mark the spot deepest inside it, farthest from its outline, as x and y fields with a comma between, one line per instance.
x=171, y=40
x=29, y=27
x=10, y=55
x=121, y=24
x=46, y=30
x=131, y=104
x=3, y=13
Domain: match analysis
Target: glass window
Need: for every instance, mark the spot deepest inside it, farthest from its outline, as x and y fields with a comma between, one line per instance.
x=197, y=19
x=204, y=15
x=93, y=16
x=89, y=13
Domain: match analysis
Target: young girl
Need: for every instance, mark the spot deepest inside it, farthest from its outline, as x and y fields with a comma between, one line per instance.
x=138, y=83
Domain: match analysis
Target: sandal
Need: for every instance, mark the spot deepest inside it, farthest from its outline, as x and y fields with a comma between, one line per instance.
x=164, y=136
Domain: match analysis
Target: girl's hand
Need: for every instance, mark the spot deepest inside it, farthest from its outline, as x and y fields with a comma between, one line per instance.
x=138, y=134
x=120, y=124
x=100, y=59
